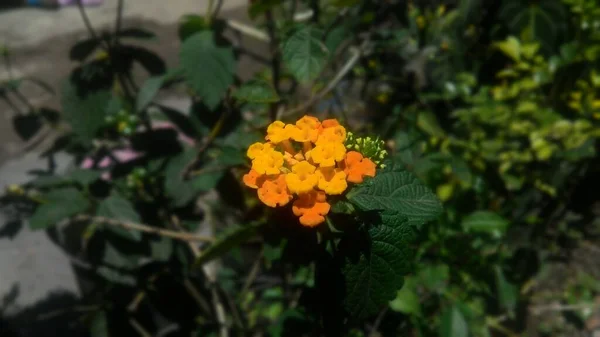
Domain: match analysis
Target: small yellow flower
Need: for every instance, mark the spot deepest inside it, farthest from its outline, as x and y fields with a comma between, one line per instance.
x=332, y=180
x=327, y=154
x=306, y=129
x=302, y=179
x=278, y=132
x=257, y=149
x=331, y=131
x=268, y=163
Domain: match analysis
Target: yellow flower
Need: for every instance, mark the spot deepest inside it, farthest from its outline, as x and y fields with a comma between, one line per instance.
x=278, y=132
x=306, y=129
x=332, y=180
x=327, y=154
x=257, y=149
x=302, y=179
x=268, y=162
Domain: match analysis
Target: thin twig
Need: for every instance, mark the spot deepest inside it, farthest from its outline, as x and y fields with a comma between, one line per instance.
x=86, y=20
x=252, y=275
x=275, y=61
x=119, y=19
x=55, y=313
x=139, y=328
x=557, y=307
x=188, y=237
x=377, y=323
x=356, y=53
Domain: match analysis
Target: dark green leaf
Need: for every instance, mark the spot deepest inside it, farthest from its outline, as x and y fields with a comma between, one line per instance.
x=82, y=49
x=182, y=121
x=45, y=181
x=182, y=192
x=209, y=68
x=99, y=326
x=162, y=249
x=256, y=91
x=190, y=25
x=148, y=91
x=116, y=276
x=230, y=239
x=507, y=292
x=260, y=7
x=304, y=53
x=453, y=323
x=485, y=222
x=137, y=33
x=397, y=191
x=83, y=176
x=118, y=208
x=115, y=259
x=85, y=114
x=27, y=126
x=374, y=276
x=147, y=58
x=228, y=156
x=60, y=204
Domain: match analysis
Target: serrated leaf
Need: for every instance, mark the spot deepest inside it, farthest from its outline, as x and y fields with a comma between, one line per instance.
x=119, y=208
x=116, y=276
x=256, y=91
x=209, y=68
x=453, y=323
x=373, y=278
x=60, y=204
x=85, y=114
x=191, y=24
x=161, y=249
x=397, y=191
x=485, y=222
x=114, y=258
x=99, y=327
x=304, y=54
x=225, y=242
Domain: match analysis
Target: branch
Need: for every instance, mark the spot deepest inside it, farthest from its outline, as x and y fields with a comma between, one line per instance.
x=356, y=54
x=557, y=307
x=248, y=30
x=188, y=237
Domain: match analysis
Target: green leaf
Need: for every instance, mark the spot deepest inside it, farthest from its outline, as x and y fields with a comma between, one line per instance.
x=453, y=323
x=148, y=91
x=115, y=259
x=83, y=176
x=230, y=239
x=209, y=68
x=256, y=91
x=119, y=208
x=175, y=187
x=374, y=276
x=60, y=204
x=191, y=24
x=407, y=300
x=485, y=222
x=304, y=53
x=427, y=121
x=45, y=181
x=507, y=292
x=162, y=249
x=435, y=278
x=511, y=47
x=85, y=114
x=99, y=327
x=116, y=276
x=82, y=49
x=397, y=191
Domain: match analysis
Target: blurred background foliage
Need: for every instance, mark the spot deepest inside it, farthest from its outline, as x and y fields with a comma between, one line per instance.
x=495, y=105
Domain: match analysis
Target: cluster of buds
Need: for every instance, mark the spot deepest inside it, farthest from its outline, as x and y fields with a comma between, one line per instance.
x=373, y=149
x=307, y=160
x=124, y=122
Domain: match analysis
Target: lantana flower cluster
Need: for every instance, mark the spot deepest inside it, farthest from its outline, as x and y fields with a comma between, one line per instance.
x=304, y=163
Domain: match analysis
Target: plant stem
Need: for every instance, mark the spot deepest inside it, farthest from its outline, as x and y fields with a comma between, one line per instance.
x=275, y=61
x=86, y=20
x=119, y=19
x=188, y=237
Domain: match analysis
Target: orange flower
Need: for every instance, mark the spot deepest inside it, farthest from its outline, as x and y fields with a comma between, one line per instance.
x=357, y=167
x=311, y=208
x=302, y=179
x=331, y=131
x=269, y=162
x=257, y=149
x=274, y=192
x=254, y=179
